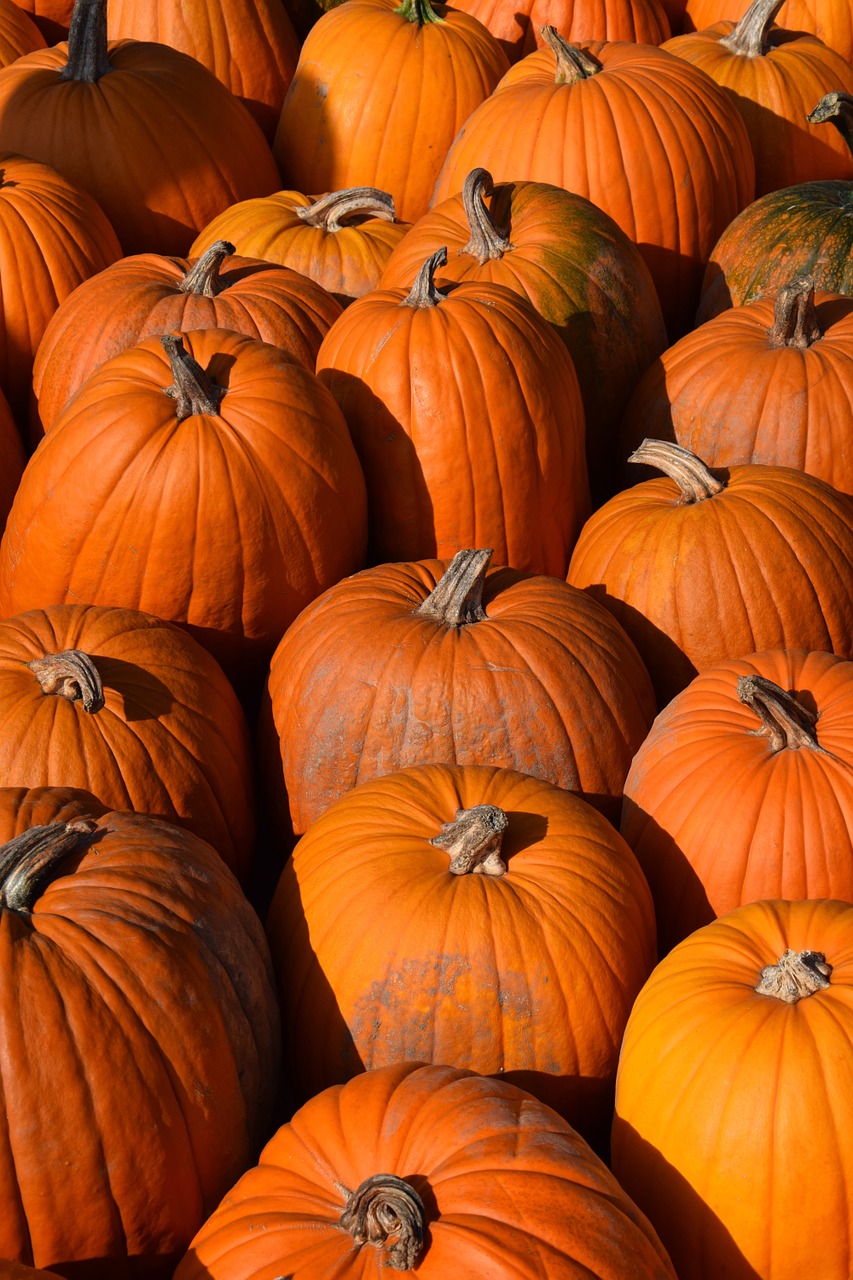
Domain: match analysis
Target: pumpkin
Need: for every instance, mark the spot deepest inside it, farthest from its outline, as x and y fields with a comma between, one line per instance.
x=131, y=710
x=465, y=915
x=518, y=26
x=699, y=568
x=431, y=1168
x=379, y=94
x=150, y=133
x=18, y=33
x=770, y=382
x=465, y=411
x=52, y=17
x=802, y=230
x=249, y=467
x=249, y=45
x=774, y=78
x=411, y=663
x=832, y=23
x=343, y=240
x=140, y=1036
x=642, y=134
x=12, y=459
x=735, y=1081
x=18, y=1271
x=149, y=294
x=576, y=268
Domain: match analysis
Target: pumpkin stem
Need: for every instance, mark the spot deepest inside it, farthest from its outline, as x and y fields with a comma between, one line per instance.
x=456, y=600
x=192, y=389
x=572, y=63
x=797, y=975
x=424, y=292
x=689, y=472
x=473, y=840
x=71, y=674
x=486, y=243
x=795, y=322
x=837, y=107
x=87, y=43
x=388, y=1213
x=786, y=722
x=330, y=212
x=419, y=11
x=203, y=277
x=30, y=861
x=751, y=36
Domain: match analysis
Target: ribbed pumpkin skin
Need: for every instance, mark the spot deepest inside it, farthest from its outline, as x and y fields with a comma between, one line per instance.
x=494, y=1161
x=139, y=297
x=681, y=170
x=383, y=955
x=249, y=45
x=468, y=421
x=18, y=33
x=384, y=688
x=788, y=829
x=140, y=1038
x=171, y=739
x=50, y=16
x=578, y=270
x=348, y=261
x=767, y=563
x=832, y=23
x=377, y=100
x=158, y=142
x=774, y=93
x=518, y=25
x=259, y=509
x=728, y=1100
x=53, y=236
x=727, y=394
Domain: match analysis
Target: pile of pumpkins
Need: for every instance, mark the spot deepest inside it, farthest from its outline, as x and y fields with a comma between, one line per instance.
x=426, y=639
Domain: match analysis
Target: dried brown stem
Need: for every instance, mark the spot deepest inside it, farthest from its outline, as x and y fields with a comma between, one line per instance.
x=424, y=292
x=797, y=975
x=751, y=36
x=487, y=244
x=456, y=600
x=388, y=1213
x=572, y=63
x=203, y=276
x=331, y=212
x=71, y=674
x=786, y=722
x=88, y=60
x=690, y=474
x=30, y=861
x=192, y=390
x=473, y=840
x=795, y=322
x=837, y=108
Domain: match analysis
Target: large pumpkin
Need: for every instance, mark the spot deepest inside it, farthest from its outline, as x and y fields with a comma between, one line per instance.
x=735, y=1095
x=140, y=1036
x=699, y=568
x=465, y=411
x=389, y=946
x=830, y=20
x=518, y=25
x=427, y=1169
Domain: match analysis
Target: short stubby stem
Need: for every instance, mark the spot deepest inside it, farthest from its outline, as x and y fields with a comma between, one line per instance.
x=193, y=391
x=387, y=1213
x=474, y=840
x=797, y=975
x=456, y=600
x=203, y=276
x=784, y=721
x=695, y=481
x=70, y=674
x=30, y=861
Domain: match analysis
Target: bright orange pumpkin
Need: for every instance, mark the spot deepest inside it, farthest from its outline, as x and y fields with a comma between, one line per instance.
x=518, y=23
x=18, y=33
x=830, y=20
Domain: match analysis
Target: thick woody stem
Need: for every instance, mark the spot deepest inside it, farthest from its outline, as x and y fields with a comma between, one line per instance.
x=786, y=722
x=572, y=63
x=795, y=322
x=193, y=391
x=486, y=243
x=389, y=1214
x=331, y=212
x=87, y=43
x=456, y=600
x=473, y=840
x=419, y=11
x=690, y=474
x=203, y=277
x=837, y=107
x=424, y=292
x=797, y=975
x=750, y=37
x=71, y=674
x=30, y=861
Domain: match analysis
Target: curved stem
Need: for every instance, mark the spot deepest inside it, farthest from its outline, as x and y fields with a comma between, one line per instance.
x=71, y=674
x=572, y=63
x=419, y=11
x=750, y=37
x=331, y=212
x=192, y=389
x=388, y=1213
x=486, y=243
x=203, y=276
x=30, y=861
x=456, y=600
x=786, y=722
x=797, y=975
x=473, y=840
x=837, y=107
x=795, y=322
x=424, y=292
x=88, y=60
x=690, y=474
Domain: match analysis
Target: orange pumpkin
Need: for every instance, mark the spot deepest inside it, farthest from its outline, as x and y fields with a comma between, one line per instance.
x=389, y=946
x=518, y=25
x=831, y=22
x=52, y=17
x=18, y=33
x=431, y=1168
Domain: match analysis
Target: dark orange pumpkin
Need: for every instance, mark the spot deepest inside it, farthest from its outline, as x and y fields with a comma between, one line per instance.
x=18, y=33
x=518, y=24
x=52, y=17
